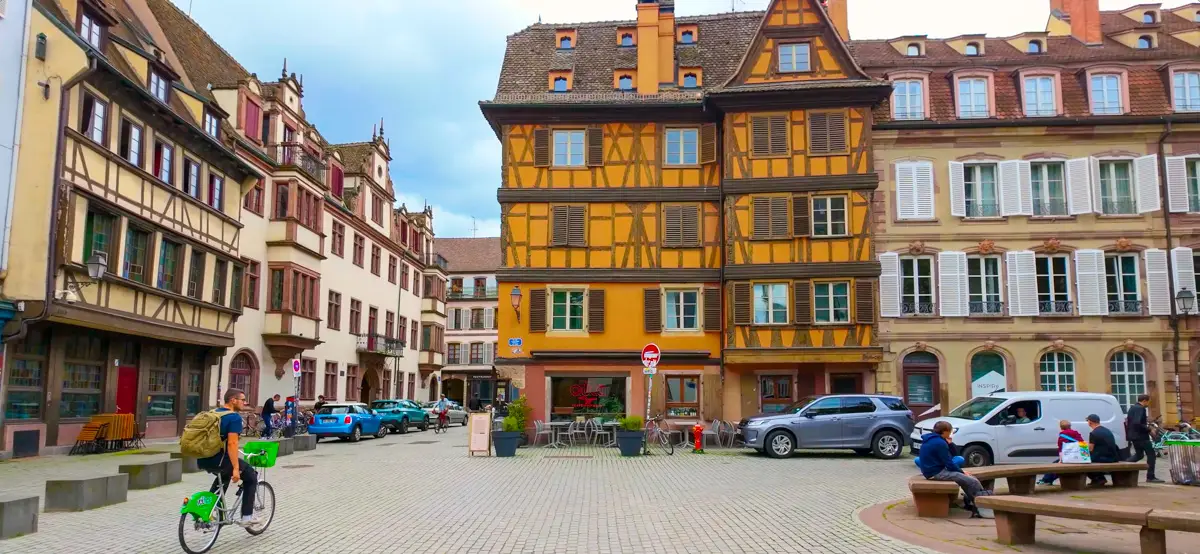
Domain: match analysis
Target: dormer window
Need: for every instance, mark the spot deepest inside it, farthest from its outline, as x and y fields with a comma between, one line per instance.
x=627, y=39
x=565, y=43
x=793, y=58
x=689, y=81
x=1035, y=47
x=972, y=49
x=158, y=86
x=914, y=49
x=687, y=37
x=90, y=28
x=211, y=124
x=560, y=84
x=1187, y=91
x=1149, y=17
x=1145, y=42
x=625, y=82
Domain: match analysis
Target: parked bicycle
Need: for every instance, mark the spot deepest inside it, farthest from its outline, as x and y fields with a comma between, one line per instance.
x=1159, y=436
x=658, y=435
x=204, y=513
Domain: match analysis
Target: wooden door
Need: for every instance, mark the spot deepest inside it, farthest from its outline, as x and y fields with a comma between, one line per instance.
x=921, y=385
x=127, y=388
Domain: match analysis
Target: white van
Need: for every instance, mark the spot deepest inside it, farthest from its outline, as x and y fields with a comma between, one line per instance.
x=987, y=431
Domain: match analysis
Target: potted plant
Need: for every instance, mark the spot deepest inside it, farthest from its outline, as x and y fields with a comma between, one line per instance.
x=506, y=440
x=520, y=410
x=630, y=435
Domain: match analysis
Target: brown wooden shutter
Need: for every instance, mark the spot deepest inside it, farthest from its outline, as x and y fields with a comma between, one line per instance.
x=541, y=147
x=801, y=217
x=779, y=217
x=779, y=136
x=577, y=228
x=761, y=213
x=864, y=301
x=537, y=311
x=818, y=133
x=690, y=222
x=742, y=314
x=560, y=223
x=652, y=314
x=708, y=143
x=837, y=132
x=760, y=136
x=712, y=309
x=595, y=310
x=802, y=302
x=595, y=146
x=673, y=226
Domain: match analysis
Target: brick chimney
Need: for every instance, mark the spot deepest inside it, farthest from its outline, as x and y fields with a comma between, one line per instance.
x=1084, y=17
x=838, y=14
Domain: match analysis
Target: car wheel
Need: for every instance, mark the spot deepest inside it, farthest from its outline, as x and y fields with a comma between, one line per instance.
x=976, y=456
x=464, y=422
x=403, y=425
x=425, y=424
x=355, y=434
x=382, y=432
x=780, y=444
x=887, y=445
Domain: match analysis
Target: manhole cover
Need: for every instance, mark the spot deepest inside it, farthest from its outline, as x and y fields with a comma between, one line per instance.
x=423, y=442
x=296, y=466
x=568, y=457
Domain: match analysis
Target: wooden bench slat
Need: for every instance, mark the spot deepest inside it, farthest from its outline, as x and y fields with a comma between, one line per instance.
x=1107, y=513
x=1171, y=520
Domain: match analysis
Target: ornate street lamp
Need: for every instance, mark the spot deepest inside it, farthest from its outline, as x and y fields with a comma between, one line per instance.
x=97, y=264
x=1185, y=300
x=515, y=297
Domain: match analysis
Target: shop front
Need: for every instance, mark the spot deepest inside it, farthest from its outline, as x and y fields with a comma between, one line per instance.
x=772, y=388
x=587, y=396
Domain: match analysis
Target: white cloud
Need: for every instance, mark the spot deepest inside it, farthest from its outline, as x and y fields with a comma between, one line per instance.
x=449, y=223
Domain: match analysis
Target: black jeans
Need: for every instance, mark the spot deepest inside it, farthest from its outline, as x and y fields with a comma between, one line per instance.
x=1144, y=448
x=225, y=471
x=266, y=425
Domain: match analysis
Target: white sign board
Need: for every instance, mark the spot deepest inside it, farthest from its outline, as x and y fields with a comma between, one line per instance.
x=990, y=382
x=649, y=371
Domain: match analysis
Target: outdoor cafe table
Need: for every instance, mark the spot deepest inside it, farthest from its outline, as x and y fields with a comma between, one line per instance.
x=558, y=428
x=684, y=428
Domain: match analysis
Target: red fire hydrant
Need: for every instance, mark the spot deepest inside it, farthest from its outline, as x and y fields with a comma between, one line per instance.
x=698, y=433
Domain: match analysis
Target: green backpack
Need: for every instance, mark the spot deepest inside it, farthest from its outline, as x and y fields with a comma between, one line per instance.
x=202, y=436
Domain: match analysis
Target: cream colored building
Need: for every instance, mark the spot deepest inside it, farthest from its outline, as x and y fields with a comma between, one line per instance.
x=471, y=335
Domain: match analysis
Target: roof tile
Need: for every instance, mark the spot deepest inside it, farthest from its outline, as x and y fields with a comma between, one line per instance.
x=478, y=255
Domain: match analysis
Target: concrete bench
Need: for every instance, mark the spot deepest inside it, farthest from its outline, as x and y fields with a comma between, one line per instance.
x=1016, y=519
x=18, y=516
x=89, y=493
x=149, y=475
x=189, y=464
x=932, y=498
x=304, y=442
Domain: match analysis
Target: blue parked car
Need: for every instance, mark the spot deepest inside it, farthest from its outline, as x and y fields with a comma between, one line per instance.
x=400, y=415
x=347, y=420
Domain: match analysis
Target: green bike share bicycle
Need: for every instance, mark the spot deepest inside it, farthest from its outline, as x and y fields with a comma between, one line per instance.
x=204, y=513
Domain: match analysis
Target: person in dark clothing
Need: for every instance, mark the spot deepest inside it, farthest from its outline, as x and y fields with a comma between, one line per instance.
x=227, y=463
x=937, y=464
x=1103, y=448
x=1137, y=426
x=268, y=412
x=320, y=402
x=1065, y=434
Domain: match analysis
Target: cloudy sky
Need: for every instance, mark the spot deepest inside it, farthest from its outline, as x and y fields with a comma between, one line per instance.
x=423, y=66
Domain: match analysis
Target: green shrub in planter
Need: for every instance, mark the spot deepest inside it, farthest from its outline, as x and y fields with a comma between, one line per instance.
x=630, y=435
x=506, y=441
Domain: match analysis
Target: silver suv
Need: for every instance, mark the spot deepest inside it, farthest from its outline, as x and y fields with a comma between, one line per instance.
x=867, y=424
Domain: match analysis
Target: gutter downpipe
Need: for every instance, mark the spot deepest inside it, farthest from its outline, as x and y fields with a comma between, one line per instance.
x=1168, y=130
x=54, y=219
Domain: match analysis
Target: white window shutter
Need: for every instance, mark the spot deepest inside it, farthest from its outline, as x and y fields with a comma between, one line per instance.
x=1159, y=291
x=906, y=193
x=952, y=284
x=489, y=317
x=1090, y=286
x=1025, y=171
x=1185, y=272
x=1014, y=290
x=1145, y=170
x=889, y=284
x=1177, y=187
x=1010, y=187
x=1097, y=196
x=1022, y=283
x=958, y=193
x=925, y=199
x=1079, y=186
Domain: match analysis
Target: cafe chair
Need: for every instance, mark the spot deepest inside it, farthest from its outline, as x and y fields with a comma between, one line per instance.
x=577, y=429
x=540, y=430
x=598, y=431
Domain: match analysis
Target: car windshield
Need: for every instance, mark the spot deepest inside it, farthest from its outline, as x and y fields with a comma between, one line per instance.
x=429, y=404
x=799, y=405
x=384, y=405
x=977, y=408
x=334, y=410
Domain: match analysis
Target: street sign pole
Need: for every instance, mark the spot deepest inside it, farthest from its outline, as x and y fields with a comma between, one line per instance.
x=650, y=357
x=295, y=394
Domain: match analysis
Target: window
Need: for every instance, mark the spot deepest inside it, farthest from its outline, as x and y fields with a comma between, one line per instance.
x=625, y=82
x=170, y=262
x=210, y=124
x=913, y=50
x=1049, y=194
x=453, y=356
x=566, y=310
x=1193, y=184
x=352, y=383
x=916, y=285
x=908, y=99
x=690, y=80
x=391, y=269
x=27, y=373
x=218, y=290
x=241, y=373
x=560, y=84
x=253, y=273
x=276, y=289
x=308, y=209
x=413, y=339
x=337, y=240
x=681, y=146
x=359, y=249
x=1127, y=377
x=831, y=302
x=626, y=39
x=793, y=57
x=983, y=285
x=1121, y=273
x=355, y=316
x=98, y=234
x=683, y=395
x=95, y=118
x=90, y=29
x=372, y=321
x=681, y=226
x=769, y=216
x=191, y=178
x=987, y=374
x=829, y=216
x=979, y=186
x=376, y=258
x=973, y=98
x=295, y=291
x=83, y=376
x=308, y=379
x=235, y=287
x=476, y=318
x=333, y=312
x=569, y=226
x=687, y=37
x=827, y=132
x=281, y=200
x=136, y=263
x=564, y=42
x=1106, y=95
x=254, y=199
x=1035, y=47
x=329, y=384
x=681, y=310
x=337, y=181
x=769, y=135
x=159, y=86
x=1145, y=42
x=1039, y=97
x=196, y=274
x=476, y=353
x=568, y=148
x=1057, y=372
x=770, y=304
x=164, y=162
x=163, y=382
x=377, y=209
x=1187, y=91
x=972, y=49
x=130, y=146
x=216, y=191
x=1054, y=294
x=389, y=324
x=1116, y=188
x=1148, y=17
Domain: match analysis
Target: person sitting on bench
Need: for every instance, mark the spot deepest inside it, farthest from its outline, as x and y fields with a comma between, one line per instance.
x=1065, y=434
x=937, y=465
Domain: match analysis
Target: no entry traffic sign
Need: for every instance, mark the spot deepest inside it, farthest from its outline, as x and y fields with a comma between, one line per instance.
x=650, y=355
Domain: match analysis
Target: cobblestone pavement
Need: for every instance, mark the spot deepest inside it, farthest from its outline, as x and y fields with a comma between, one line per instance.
x=421, y=493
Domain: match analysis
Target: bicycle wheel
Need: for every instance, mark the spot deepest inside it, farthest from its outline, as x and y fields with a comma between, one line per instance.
x=664, y=443
x=198, y=537
x=264, y=507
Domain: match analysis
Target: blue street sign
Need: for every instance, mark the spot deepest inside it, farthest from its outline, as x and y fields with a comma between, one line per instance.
x=514, y=342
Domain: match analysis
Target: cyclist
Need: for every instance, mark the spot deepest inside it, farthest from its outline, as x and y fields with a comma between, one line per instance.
x=442, y=408
x=226, y=463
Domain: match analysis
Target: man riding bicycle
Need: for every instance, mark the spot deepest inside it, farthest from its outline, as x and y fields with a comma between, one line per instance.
x=442, y=408
x=227, y=463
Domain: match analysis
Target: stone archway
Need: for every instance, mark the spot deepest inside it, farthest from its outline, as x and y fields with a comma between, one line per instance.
x=370, y=387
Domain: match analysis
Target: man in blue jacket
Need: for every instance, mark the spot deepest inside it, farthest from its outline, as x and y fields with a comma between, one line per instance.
x=937, y=464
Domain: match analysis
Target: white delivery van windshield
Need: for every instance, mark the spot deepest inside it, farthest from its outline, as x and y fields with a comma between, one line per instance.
x=976, y=408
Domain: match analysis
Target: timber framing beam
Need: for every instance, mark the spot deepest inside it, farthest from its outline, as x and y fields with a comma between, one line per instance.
x=624, y=193
x=582, y=275
x=802, y=270
x=865, y=181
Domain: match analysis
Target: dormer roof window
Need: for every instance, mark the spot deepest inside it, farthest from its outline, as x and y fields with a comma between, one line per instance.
x=972, y=49
x=689, y=81
x=560, y=84
x=211, y=124
x=625, y=82
x=1145, y=42
x=159, y=86
x=90, y=28
x=627, y=39
x=565, y=43
x=687, y=37
x=1035, y=47
x=1149, y=17
x=913, y=50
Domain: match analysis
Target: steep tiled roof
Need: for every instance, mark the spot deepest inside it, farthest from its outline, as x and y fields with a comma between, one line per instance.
x=204, y=61
x=478, y=255
x=354, y=154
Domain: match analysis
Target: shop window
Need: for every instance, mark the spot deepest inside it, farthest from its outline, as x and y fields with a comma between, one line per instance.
x=987, y=374
x=26, y=375
x=582, y=396
x=163, y=382
x=683, y=396
x=83, y=376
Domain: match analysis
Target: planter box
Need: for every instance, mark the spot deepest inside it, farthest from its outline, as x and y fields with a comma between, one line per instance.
x=630, y=442
x=505, y=443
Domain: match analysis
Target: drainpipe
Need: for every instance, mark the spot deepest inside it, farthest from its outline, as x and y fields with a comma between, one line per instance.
x=58, y=193
x=1174, y=319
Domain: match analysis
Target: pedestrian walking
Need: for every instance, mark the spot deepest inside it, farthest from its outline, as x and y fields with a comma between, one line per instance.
x=1137, y=430
x=268, y=412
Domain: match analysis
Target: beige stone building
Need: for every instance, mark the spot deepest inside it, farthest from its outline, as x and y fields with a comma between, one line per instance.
x=471, y=335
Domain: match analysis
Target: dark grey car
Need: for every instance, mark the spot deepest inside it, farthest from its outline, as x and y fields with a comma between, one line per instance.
x=867, y=424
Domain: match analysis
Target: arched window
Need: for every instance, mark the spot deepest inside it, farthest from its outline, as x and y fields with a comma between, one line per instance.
x=972, y=49
x=1145, y=43
x=1127, y=377
x=687, y=37
x=1035, y=47
x=560, y=84
x=1148, y=17
x=1057, y=372
x=627, y=39
x=625, y=82
x=241, y=374
x=564, y=42
x=689, y=81
x=987, y=374
x=914, y=50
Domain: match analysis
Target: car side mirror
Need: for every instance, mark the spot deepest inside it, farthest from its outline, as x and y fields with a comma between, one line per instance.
x=809, y=415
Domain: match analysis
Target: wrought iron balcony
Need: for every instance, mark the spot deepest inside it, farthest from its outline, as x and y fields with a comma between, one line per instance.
x=982, y=209
x=1049, y=207
x=909, y=309
x=488, y=293
x=986, y=307
x=1125, y=306
x=294, y=155
x=1056, y=307
x=380, y=344
x=1122, y=206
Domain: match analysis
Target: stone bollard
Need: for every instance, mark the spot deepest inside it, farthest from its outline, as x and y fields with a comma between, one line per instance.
x=304, y=442
x=18, y=516
x=146, y=475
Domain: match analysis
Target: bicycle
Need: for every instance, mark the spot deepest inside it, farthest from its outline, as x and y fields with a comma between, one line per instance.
x=205, y=513
x=443, y=423
x=659, y=436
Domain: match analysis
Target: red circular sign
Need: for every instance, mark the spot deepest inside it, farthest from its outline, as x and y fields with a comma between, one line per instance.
x=650, y=355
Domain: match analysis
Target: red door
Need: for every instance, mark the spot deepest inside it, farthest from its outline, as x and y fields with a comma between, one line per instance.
x=127, y=385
